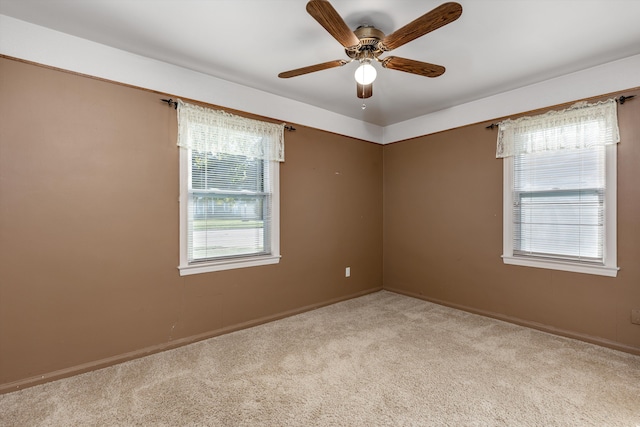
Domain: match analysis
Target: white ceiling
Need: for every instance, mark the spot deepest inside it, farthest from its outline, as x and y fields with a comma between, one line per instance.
x=495, y=46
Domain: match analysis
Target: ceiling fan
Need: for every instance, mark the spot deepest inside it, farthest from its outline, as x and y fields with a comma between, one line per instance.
x=367, y=43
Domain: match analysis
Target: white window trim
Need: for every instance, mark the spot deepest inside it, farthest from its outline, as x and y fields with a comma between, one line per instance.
x=230, y=263
x=610, y=267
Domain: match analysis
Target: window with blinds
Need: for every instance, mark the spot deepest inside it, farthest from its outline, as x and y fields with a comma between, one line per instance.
x=229, y=206
x=560, y=189
x=229, y=190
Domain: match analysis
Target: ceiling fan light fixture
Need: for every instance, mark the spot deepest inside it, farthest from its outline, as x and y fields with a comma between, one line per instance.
x=366, y=73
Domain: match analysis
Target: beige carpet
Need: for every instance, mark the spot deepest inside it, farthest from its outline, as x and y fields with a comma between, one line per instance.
x=379, y=360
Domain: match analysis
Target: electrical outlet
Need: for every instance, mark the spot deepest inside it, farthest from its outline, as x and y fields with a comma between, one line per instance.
x=635, y=316
x=347, y=272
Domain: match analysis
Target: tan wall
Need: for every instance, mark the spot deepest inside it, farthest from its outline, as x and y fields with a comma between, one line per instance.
x=89, y=228
x=443, y=238
x=89, y=231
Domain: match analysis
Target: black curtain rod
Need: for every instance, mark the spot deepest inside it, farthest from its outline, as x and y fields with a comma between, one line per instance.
x=621, y=100
x=174, y=104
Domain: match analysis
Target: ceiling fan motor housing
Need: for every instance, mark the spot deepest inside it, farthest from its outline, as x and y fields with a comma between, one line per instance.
x=369, y=46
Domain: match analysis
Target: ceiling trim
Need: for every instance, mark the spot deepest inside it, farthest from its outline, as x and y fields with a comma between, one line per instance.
x=42, y=45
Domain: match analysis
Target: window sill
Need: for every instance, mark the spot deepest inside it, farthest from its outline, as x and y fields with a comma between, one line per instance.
x=228, y=264
x=599, y=270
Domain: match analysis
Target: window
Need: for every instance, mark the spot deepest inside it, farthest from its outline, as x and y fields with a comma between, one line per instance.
x=560, y=189
x=229, y=190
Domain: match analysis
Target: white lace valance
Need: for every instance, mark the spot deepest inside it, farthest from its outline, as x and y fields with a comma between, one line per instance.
x=580, y=126
x=216, y=131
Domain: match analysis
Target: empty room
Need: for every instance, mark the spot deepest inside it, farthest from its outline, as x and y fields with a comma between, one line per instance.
x=319, y=213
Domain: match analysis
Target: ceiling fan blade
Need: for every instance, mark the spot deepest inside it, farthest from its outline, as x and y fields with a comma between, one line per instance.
x=364, y=91
x=312, y=68
x=326, y=15
x=438, y=17
x=413, y=67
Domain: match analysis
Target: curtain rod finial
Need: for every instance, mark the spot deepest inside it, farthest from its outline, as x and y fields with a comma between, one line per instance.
x=171, y=102
x=623, y=98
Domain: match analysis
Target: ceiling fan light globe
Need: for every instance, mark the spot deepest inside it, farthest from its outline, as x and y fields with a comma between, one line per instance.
x=365, y=74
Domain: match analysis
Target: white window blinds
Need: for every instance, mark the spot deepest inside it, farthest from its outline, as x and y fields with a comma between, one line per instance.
x=558, y=204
